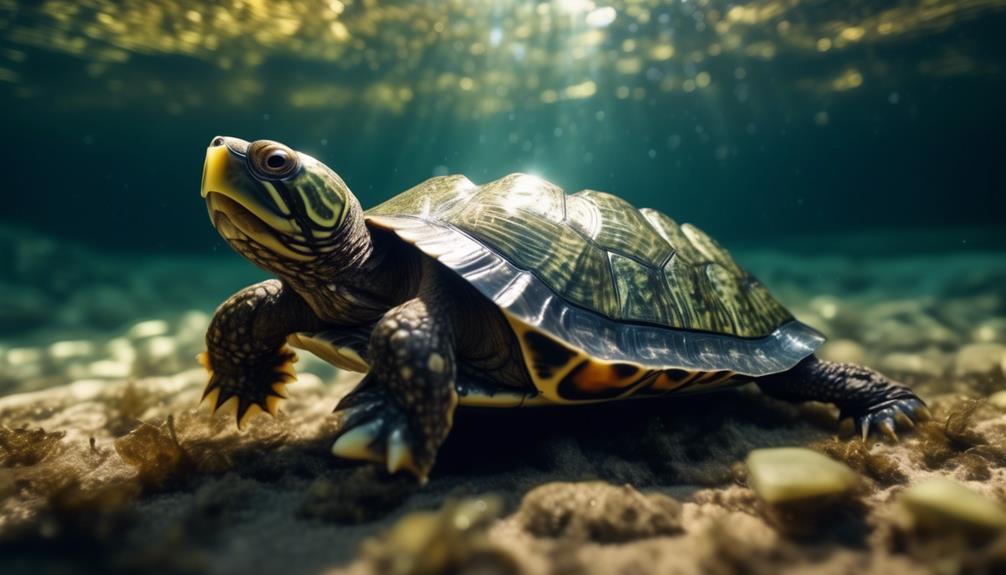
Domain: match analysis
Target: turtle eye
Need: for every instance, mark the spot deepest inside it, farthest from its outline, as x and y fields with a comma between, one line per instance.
x=272, y=160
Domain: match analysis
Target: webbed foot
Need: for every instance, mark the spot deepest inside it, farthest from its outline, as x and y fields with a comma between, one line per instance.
x=246, y=352
x=254, y=387
x=866, y=397
x=376, y=427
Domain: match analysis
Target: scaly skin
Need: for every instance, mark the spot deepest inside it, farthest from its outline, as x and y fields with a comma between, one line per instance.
x=403, y=409
x=247, y=356
x=868, y=397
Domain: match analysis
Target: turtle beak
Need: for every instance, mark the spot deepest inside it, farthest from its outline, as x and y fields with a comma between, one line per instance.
x=233, y=199
x=217, y=157
x=225, y=177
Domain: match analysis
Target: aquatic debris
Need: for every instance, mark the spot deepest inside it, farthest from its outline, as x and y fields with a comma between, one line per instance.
x=941, y=507
x=124, y=411
x=22, y=447
x=857, y=454
x=599, y=512
x=156, y=454
x=956, y=443
x=428, y=542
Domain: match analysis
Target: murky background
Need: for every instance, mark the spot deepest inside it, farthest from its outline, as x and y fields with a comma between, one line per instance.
x=848, y=152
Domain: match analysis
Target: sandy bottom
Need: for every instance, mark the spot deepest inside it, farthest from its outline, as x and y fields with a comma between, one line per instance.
x=108, y=464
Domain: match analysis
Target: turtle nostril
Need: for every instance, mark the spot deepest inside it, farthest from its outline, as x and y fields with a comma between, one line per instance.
x=218, y=141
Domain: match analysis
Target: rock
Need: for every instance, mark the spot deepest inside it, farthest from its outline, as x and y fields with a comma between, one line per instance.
x=844, y=350
x=980, y=360
x=941, y=504
x=998, y=399
x=431, y=542
x=795, y=474
x=159, y=355
x=912, y=365
x=149, y=328
x=121, y=349
x=826, y=306
x=71, y=349
x=990, y=330
x=598, y=511
x=191, y=328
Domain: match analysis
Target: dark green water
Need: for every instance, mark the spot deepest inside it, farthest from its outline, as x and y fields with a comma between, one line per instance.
x=760, y=122
x=849, y=153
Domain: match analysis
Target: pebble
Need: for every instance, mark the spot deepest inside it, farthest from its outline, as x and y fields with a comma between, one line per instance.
x=842, y=350
x=998, y=399
x=149, y=328
x=795, y=474
x=916, y=365
x=598, y=511
x=62, y=350
x=980, y=360
x=990, y=330
x=940, y=504
x=430, y=542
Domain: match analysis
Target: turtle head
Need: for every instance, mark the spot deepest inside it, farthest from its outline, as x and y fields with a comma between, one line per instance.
x=279, y=208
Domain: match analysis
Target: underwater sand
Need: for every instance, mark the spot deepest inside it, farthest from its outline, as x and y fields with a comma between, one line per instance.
x=107, y=463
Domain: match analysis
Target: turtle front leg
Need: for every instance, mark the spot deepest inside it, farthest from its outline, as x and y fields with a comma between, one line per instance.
x=246, y=352
x=403, y=409
x=872, y=400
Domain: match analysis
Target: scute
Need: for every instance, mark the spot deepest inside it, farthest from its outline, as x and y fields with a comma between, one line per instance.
x=619, y=228
x=641, y=292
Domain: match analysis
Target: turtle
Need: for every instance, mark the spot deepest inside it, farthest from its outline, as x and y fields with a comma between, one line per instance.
x=507, y=294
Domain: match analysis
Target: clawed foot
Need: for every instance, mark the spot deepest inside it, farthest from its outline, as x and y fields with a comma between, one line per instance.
x=375, y=427
x=889, y=416
x=254, y=388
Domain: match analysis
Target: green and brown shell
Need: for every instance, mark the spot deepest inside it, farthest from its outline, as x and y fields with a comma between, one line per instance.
x=591, y=283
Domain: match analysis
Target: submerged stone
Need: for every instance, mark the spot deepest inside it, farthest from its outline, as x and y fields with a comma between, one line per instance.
x=430, y=542
x=843, y=350
x=941, y=505
x=795, y=474
x=998, y=399
x=980, y=360
x=598, y=511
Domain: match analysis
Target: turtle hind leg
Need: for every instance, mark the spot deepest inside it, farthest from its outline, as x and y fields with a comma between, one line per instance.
x=403, y=409
x=873, y=401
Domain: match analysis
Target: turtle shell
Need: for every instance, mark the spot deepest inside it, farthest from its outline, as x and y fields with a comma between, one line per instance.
x=588, y=274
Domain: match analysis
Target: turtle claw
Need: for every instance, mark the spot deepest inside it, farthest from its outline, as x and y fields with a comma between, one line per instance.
x=890, y=416
x=375, y=428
